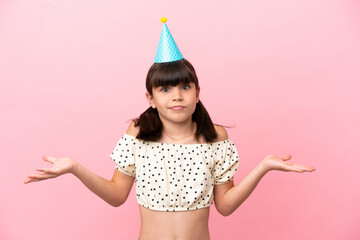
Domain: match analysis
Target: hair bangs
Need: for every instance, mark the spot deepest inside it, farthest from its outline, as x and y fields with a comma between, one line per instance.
x=170, y=74
x=170, y=78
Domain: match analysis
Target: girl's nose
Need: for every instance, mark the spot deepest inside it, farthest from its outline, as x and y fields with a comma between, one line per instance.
x=177, y=95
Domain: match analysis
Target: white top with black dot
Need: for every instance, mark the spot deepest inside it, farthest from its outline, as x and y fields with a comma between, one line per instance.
x=175, y=177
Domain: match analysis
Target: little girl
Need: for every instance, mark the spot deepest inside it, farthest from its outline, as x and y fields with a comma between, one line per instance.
x=181, y=162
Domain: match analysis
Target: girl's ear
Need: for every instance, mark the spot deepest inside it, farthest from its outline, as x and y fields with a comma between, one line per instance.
x=198, y=94
x=150, y=99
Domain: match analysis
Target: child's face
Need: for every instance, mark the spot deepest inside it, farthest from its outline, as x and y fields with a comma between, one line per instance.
x=175, y=103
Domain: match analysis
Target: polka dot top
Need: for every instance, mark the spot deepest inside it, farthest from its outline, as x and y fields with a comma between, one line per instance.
x=175, y=177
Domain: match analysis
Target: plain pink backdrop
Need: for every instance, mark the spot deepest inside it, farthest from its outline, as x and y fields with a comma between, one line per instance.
x=284, y=73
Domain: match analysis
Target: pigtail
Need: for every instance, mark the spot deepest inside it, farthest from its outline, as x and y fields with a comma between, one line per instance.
x=204, y=125
x=150, y=125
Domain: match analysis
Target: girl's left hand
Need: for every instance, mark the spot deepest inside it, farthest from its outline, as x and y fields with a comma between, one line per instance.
x=272, y=162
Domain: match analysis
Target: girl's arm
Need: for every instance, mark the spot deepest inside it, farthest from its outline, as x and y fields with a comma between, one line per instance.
x=114, y=191
x=229, y=197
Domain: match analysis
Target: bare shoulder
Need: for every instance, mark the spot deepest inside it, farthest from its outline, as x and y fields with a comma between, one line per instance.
x=132, y=130
x=221, y=132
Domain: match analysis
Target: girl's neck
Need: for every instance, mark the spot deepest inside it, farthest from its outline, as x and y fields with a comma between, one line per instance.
x=179, y=132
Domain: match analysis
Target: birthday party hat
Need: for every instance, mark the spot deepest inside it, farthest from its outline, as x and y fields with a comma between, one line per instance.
x=167, y=50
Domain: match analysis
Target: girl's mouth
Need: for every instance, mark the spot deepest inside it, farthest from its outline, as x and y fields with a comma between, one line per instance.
x=177, y=107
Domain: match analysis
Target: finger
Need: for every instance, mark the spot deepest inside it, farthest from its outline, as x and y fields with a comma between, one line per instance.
x=301, y=168
x=286, y=157
x=46, y=170
x=294, y=169
x=49, y=159
x=29, y=180
x=41, y=176
x=308, y=169
x=305, y=168
x=288, y=166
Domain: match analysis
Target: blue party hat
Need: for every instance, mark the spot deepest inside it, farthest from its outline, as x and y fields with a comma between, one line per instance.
x=167, y=50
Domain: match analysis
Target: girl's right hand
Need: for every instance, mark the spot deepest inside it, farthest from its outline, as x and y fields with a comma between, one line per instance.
x=60, y=167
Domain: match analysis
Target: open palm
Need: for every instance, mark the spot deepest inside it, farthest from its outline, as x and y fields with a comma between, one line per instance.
x=60, y=167
x=273, y=162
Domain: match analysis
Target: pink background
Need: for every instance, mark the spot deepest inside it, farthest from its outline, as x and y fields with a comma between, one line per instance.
x=285, y=73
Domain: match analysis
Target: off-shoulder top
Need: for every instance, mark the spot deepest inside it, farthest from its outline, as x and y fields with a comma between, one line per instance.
x=175, y=177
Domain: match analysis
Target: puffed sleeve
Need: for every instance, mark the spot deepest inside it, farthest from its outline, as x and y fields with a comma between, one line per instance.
x=123, y=155
x=226, y=162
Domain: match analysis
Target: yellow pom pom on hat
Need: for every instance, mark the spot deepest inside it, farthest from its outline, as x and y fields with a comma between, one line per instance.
x=163, y=19
x=167, y=50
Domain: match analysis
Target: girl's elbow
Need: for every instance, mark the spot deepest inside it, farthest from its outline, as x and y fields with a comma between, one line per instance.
x=116, y=203
x=226, y=213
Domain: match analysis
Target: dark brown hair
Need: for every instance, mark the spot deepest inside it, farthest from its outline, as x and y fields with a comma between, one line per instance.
x=173, y=73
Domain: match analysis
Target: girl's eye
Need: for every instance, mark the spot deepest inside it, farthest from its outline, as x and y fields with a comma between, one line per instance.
x=164, y=89
x=186, y=87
